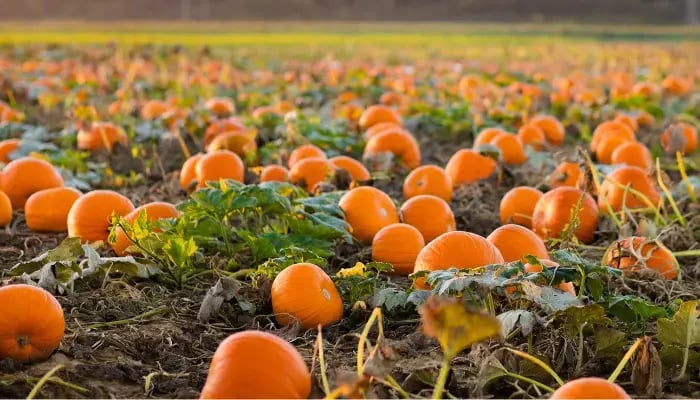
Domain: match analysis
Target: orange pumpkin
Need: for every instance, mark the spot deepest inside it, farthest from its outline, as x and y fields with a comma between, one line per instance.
x=456, y=249
x=680, y=137
x=553, y=129
x=90, y=216
x=47, y=210
x=376, y=114
x=515, y=242
x=7, y=147
x=154, y=109
x=612, y=190
x=401, y=144
x=221, y=164
x=512, y=151
x=367, y=210
x=27, y=175
x=188, y=172
x=220, y=106
x=304, y=293
x=5, y=210
x=467, y=166
x=607, y=146
x=354, y=168
x=486, y=135
x=429, y=214
x=309, y=172
x=553, y=214
x=399, y=245
x=534, y=268
x=634, y=154
x=565, y=174
x=154, y=211
x=274, y=173
x=381, y=127
x=220, y=126
x=636, y=253
x=428, y=179
x=241, y=143
x=304, y=151
x=31, y=323
x=257, y=365
x=628, y=120
x=609, y=129
x=532, y=135
x=101, y=135
x=518, y=205
x=589, y=388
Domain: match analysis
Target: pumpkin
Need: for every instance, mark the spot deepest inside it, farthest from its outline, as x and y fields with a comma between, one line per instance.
x=589, y=388
x=486, y=135
x=565, y=174
x=518, y=205
x=304, y=151
x=531, y=135
x=221, y=164
x=220, y=106
x=90, y=216
x=220, y=126
x=7, y=147
x=188, y=172
x=309, y=172
x=5, y=210
x=27, y=175
x=680, y=137
x=154, y=211
x=239, y=142
x=391, y=99
x=515, y=242
x=31, y=323
x=511, y=149
x=399, y=143
x=468, y=166
x=628, y=120
x=381, y=127
x=632, y=153
x=367, y=210
x=274, y=173
x=609, y=129
x=612, y=191
x=607, y=146
x=304, y=293
x=154, y=109
x=398, y=245
x=553, y=129
x=101, y=136
x=636, y=253
x=47, y=210
x=376, y=114
x=534, y=268
x=456, y=249
x=257, y=365
x=553, y=213
x=428, y=179
x=429, y=214
x=354, y=168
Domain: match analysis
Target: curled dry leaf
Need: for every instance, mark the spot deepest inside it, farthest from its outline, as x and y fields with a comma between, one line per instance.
x=647, y=370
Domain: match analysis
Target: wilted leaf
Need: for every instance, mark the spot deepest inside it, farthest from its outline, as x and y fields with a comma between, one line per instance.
x=223, y=290
x=454, y=326
x=513, y=319
x=390, y=298
x=684, y=329
x=609, y=342
x=490, y=371
x=550, y=299
x=577, y=318
x=647, y=375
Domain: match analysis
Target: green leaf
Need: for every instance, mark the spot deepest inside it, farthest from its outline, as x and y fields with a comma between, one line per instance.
x=633, y=309
x=180, y=250
x=577, y=318
x=609, y=342
x=683, y=330
x=391, y=299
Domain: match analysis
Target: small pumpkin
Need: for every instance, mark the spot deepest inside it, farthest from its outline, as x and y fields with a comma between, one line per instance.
x=467, y=166
x=518, y=205
x=309, y=172
x=5, y=210
x=154, y=109
x=7, y=147
x=47, y=210
x=376, y=114
x=589, y=388
x=612, y=190
x=31, y=323
x=428, y=179
x=637, y=253
x=27, y=175
x=565, y=174
x=257, y=365
x=154, y=211
x=367, y=210
x=681, y=137
x=456, y=249
x=101, y=136
x=304, y=151
x=188, y=172
x=239, y=142
x=515, y=242
x=429, y=214
x=486, y=135
x=531, y=135
x=553, y=129
x=221, y=164
x=220, y=126
x=609, y=129
x=90, y=216
x=553, y=213
x=632, y=153
x=399, y=143
x=399, y=245
x=354, y=168
x=220, y=106
x=274, y=173
x=304, y=293
x=511, y=148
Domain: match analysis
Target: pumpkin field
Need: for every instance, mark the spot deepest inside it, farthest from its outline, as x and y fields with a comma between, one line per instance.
x=399, y=211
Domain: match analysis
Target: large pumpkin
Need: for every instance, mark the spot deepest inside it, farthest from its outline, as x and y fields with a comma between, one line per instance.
x=27, y=175
x=154, y=211
x=89, y=217
x=221, y=164
x=612, y=190
x=429, y=214
x=399, y=245
x=304, y=293
x=257, y=365
x=636, y=253
x=31, y=323
x=553, y=214
x=515, y=242
x=47, y=210
x=367, y=210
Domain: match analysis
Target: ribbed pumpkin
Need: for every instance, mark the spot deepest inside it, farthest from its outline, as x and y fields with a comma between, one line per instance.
x=309, y=172
x=257, y=365
x=367, y=210
x=188, y=172
x=515, y=242
x=27, y=175
x=89, y=217
x=31, y=323
x=553, y=214
x=304, y=151
x=456, y=249
x=304, y=293
x=47, y=210
x=400, y=143
x=428, y=179
x=154, y=211
x=612, y=190
x=5, y=210
x=274, y=173
x=518, y=205
x=467, y=166
x=221, y=164
x=101, y=136
x=354, y=168
x=399, y=245
x=429, y=214
x=636, y=253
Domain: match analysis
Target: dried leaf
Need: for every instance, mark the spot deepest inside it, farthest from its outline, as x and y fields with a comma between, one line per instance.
x=512, y=319
x=647, y=375
x=224, y=290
